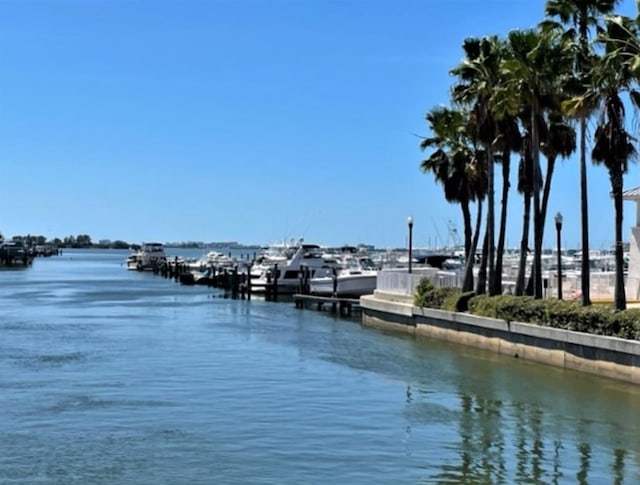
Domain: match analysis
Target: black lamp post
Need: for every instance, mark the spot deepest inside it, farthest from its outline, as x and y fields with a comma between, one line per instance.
x=558, y=219
x=410, y=223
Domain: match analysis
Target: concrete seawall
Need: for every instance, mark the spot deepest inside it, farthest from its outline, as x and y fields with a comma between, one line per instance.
x=610, y=357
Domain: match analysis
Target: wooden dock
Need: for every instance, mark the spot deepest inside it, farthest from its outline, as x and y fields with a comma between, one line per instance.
x=236, y=284
x=344, y=306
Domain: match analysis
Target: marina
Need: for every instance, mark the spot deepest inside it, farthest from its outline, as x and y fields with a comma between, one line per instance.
x=116, y=376
x=317, y=260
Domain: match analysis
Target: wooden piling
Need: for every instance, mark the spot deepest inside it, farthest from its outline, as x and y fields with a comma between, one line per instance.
x=249, y=281
x=235, y=283
x=275, y=282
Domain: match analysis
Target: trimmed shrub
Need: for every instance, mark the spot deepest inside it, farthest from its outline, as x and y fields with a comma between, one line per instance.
x=597, y=320
x=423, y=287
x=451, y=299
x=427, y=295
x=628, y=322
x=483, y=306
x=563, y=314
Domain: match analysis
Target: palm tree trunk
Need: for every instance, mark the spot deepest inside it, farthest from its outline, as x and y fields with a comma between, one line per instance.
x=583, y=29
x=467, y=285
x=584, y=213
x=619, y=297
x=490, y=217
x=537, y=249
x=481, y=287
x=551, y=163
x=497, y=278
x=466, y=217
x=537, y=230
x=524, y=245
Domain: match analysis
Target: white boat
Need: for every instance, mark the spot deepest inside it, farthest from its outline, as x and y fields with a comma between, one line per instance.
x=290, y=260
x=358, y=277
x=146, y=257
x=212, y=258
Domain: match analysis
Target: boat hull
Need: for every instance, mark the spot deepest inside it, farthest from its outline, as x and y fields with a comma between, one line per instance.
x=345, y=286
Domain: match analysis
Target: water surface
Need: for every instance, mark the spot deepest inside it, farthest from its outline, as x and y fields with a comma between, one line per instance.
x=114, y=376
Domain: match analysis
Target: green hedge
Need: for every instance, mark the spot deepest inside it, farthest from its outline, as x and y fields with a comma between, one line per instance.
x=568, y=315
x=427, y=295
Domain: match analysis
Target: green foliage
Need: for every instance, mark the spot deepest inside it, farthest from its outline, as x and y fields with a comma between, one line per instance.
x=424, y=286
x=562, y=314
x=566, y=315
x=428, y=296
x=450, y=302
x=483, y=306
x=628, y=322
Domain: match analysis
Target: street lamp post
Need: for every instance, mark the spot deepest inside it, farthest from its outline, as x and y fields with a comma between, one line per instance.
x=558, y=219
x=410, y=223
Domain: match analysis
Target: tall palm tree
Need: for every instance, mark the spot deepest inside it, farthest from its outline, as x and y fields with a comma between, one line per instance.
x=478, y=74
x=535, y=69
x=447, y=162
x=456, y=165
x=613, y=145
x=581, y=16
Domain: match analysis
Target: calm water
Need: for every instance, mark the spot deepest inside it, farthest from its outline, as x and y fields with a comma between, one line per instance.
x=113, y=376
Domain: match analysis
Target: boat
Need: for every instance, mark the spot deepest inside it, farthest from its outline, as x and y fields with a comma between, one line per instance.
x=357, y=277
x=195, y=277
x=285, y=262
x=12, y=253
x=146, y=257
x=211, y=259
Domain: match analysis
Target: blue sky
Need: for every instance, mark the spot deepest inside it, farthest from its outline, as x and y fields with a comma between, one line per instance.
x=246, y=120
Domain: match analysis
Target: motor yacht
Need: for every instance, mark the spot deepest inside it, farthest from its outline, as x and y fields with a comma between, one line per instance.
x=357, y=277
x=285, y=262
x=145, y=258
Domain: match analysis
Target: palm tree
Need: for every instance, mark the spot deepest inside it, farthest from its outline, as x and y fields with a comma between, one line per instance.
x=535, y=70
x=476, y=171
x=448, y=160
x=558, y=139
x=454, y=163
x=613, y=145
x=581, y=16
x=478, y=75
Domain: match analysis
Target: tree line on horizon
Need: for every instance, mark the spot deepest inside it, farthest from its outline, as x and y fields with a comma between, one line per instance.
x=530, y=94
x=79, y=241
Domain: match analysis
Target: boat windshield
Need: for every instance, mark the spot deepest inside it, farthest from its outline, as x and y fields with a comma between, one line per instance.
x=368, y=263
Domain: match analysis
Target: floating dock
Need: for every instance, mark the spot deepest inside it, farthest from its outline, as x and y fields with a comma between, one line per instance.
x=344, y=306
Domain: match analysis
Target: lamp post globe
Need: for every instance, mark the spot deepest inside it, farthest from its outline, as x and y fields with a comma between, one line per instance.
x=558, y=219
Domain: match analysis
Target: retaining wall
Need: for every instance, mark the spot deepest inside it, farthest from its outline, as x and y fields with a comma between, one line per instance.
x=605, y=356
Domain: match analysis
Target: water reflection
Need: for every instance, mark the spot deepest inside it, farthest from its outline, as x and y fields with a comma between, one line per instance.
x=617, y=469
x=527, y=425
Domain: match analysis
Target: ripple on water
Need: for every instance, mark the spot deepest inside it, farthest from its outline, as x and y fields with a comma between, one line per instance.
x=148, y=456
x=83, y=402
x=43, y=361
